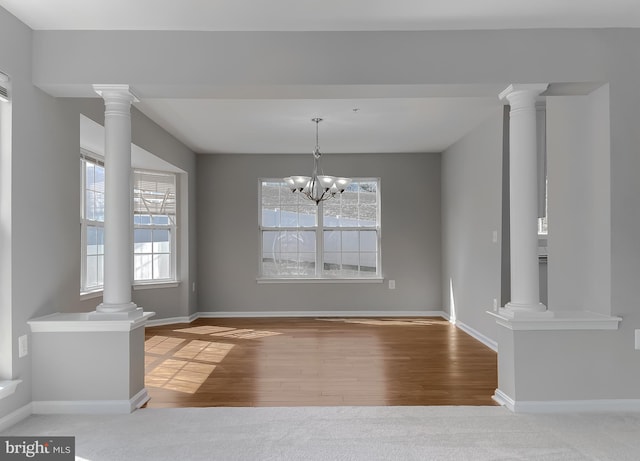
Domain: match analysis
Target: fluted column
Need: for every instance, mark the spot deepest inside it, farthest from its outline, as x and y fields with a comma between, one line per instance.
x=117, y=216
x=523, y=190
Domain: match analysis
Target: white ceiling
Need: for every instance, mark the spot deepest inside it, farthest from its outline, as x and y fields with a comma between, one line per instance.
x=232, y=121
x=304, y=15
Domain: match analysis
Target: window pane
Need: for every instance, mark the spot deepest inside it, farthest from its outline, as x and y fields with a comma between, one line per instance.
x=289, y=216
x=160, y=220
x=270, y=216
x=331, y=212
x=368, y=216
x=307, y=242
x=91, y=279
x=270, y=243
x=288, y=264
x=161, y=241
x=368, y=262
x=270, y=194
x=92, y=240
x=142, y=219
x=332, y=240
x=350, y=261
x=143, y=265
x=162, y=266
x=307, y=214
x=368, y=241
x=90, y=205
x=100, y=269
x=142, y=242
x=98, y=184
x=350, y=241
x=99, y=206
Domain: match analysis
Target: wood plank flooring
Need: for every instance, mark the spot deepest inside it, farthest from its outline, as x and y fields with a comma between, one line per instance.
x=301, y=362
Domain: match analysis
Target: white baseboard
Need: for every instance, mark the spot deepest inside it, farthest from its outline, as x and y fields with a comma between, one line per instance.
x=490, y=343
x=171, y=320
x=249, y=314
x=567, y=406
x=15, y=417
x=86, y=407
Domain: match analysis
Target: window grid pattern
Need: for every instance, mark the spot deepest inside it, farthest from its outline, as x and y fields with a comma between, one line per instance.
x=92, y=223
x=154, y=222
x=339, y=238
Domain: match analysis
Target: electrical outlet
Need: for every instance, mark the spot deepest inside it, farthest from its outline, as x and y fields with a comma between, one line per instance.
x=23, y=346
x=494, y=237
x=392, y=284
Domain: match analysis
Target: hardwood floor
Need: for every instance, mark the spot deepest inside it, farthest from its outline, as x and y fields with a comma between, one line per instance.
x=296, y=362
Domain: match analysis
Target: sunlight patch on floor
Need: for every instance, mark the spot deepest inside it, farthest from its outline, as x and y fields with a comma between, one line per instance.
x=180, y=373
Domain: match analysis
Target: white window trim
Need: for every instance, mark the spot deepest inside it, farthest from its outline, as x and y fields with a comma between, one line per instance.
x=319, y=231
x=87, y=293
x=7, y=384
x=97, y=292
x=174, y=279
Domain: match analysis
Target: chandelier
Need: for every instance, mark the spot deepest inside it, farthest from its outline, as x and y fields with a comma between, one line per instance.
x=317, y=187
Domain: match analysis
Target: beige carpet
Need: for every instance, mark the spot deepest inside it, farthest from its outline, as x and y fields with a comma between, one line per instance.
x=344, y=433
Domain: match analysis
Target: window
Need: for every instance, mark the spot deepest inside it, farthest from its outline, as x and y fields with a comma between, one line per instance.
x=92, y=222
x=7, y=384
x=154, y=222
x=154, y=226
x=337, y=239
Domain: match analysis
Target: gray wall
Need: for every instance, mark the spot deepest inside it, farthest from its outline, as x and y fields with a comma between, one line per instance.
x=471, y=212
x=44, y=216
x=579, y=155
x=228, y=250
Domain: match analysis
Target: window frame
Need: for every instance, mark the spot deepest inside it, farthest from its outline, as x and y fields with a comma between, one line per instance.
x=86, y=155
x=95, y=291
x=319, y=229
x=173, y=231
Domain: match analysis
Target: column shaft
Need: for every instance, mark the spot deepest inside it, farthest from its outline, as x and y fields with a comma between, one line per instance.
x=523, y=189
x=117, y=222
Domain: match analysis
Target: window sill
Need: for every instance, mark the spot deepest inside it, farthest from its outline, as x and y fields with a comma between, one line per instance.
x=8, y=387
x=137, y=286
x=152, y=285
x=91, y=294
x=319, y=280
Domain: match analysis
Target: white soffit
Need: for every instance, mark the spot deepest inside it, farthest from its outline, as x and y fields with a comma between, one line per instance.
x=269, y=126
x=329, y=15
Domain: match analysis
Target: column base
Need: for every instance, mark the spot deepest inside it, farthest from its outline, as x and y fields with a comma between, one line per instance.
x=116, y=312
x=516, y=310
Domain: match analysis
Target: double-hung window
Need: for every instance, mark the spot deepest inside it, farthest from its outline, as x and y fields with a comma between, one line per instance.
x=92, y=222
x=336, y=239
x=154, y=226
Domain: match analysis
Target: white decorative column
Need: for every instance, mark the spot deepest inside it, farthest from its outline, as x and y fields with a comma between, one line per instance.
x=523, y=190
x=117, y=222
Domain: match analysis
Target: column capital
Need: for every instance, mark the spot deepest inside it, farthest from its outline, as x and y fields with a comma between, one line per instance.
x=116, y=92
x=522, y=94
